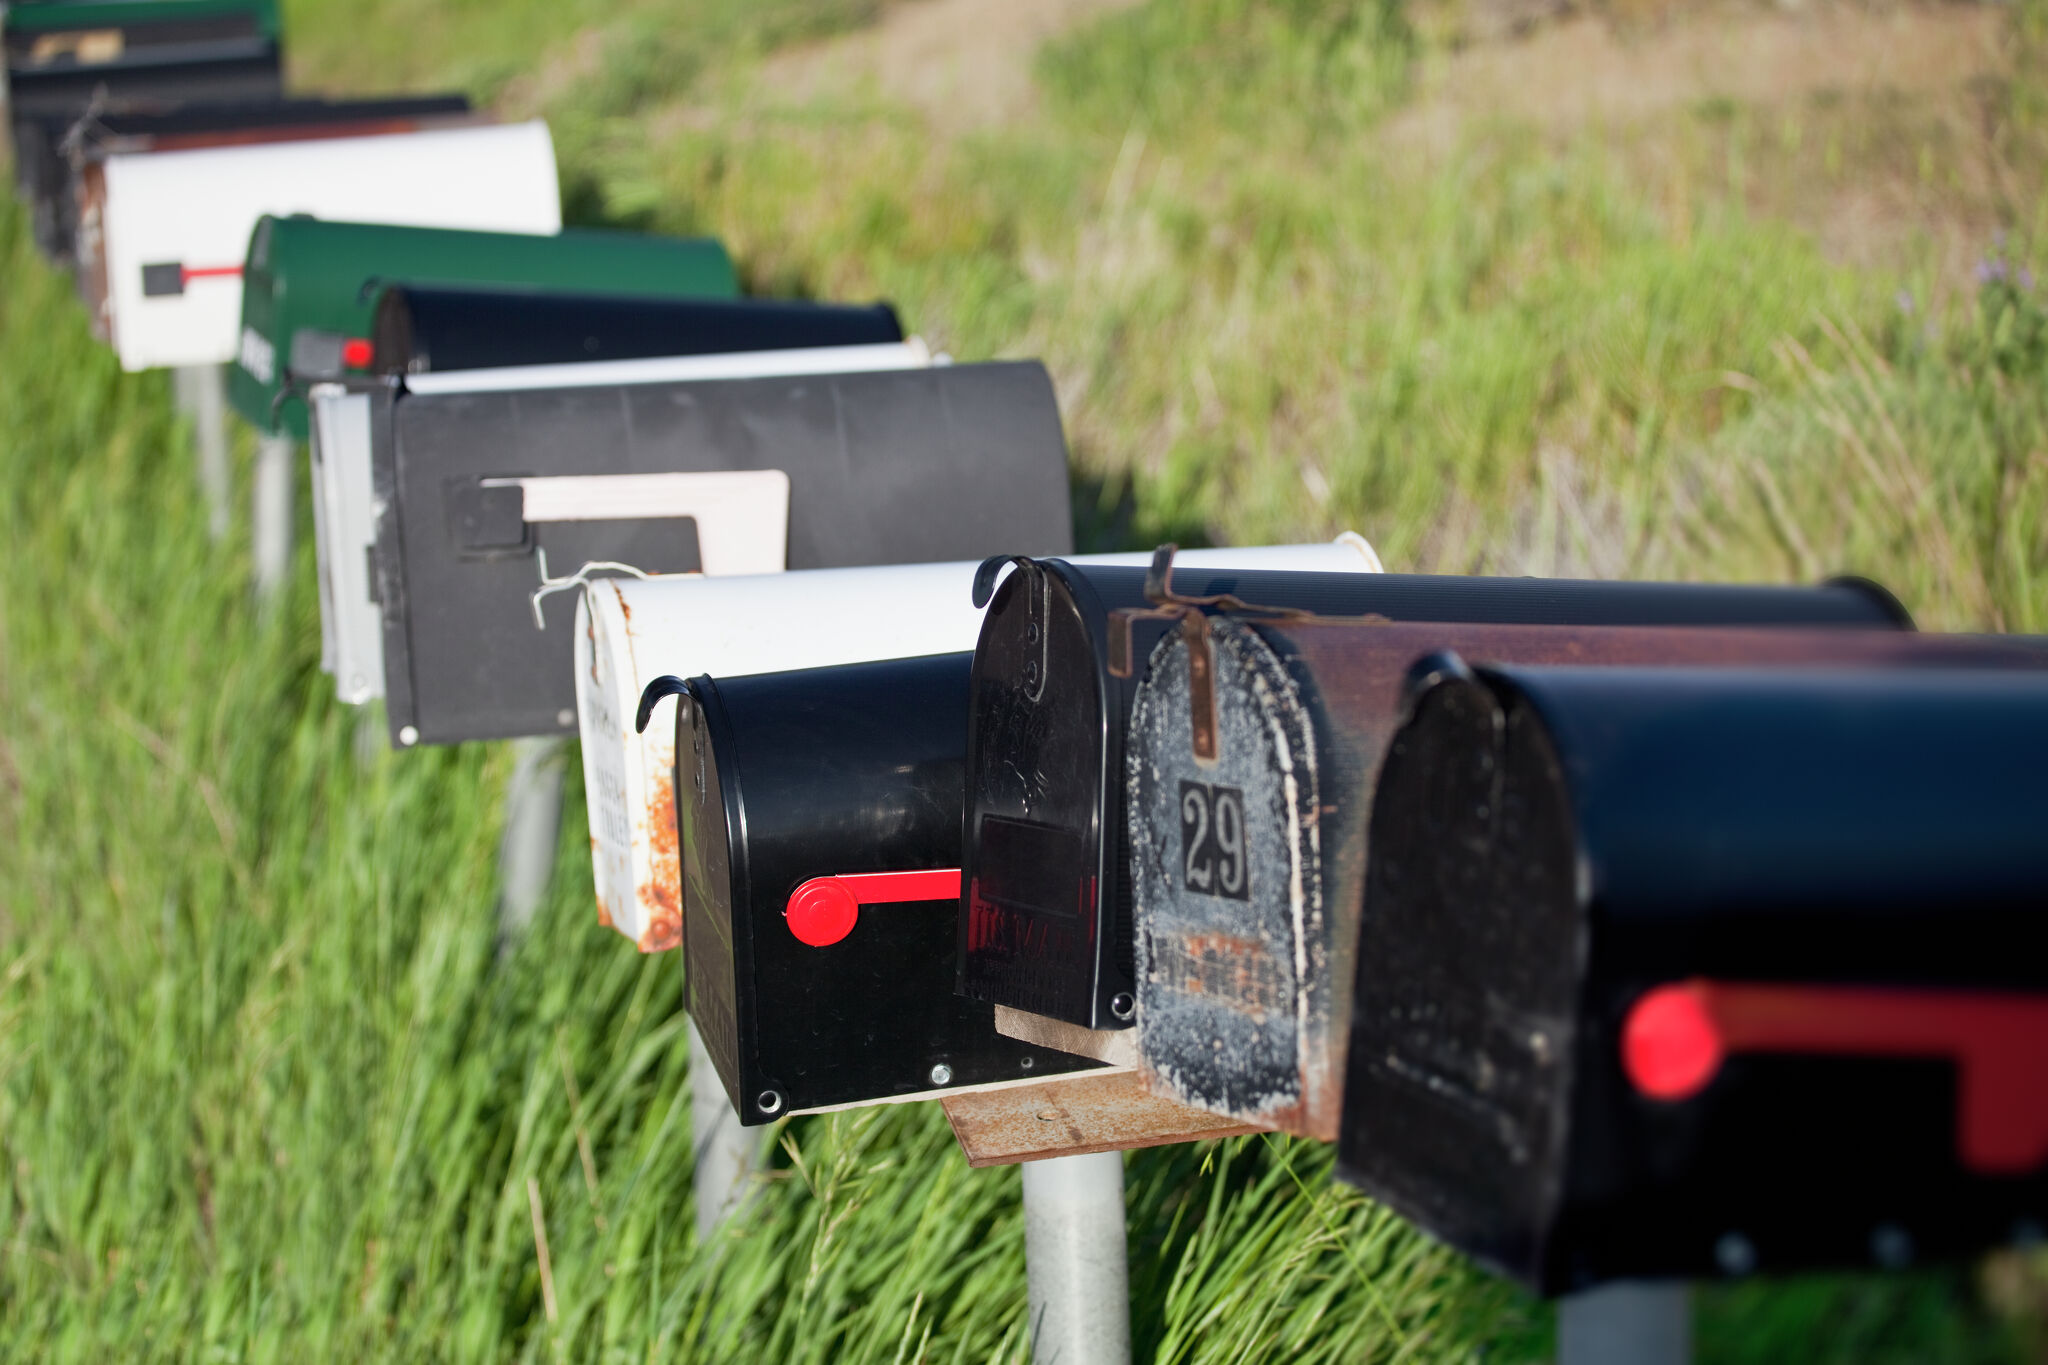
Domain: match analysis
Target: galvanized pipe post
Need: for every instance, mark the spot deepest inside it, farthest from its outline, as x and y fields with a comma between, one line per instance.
x=533, y=819
x=201, y=392
x=1074, y=1260
x=271, y=541
x=1631, y=1322
x=725, y=1153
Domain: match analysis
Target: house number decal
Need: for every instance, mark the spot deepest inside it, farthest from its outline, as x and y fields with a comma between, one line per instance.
x=1212, y=833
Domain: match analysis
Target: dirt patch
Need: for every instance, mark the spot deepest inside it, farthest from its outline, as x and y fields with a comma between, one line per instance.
x=1587, y=70
x=965, y=63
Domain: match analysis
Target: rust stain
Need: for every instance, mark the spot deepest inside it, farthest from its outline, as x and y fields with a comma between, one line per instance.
x=1111, y=1112
x=661, y=893
x=1223, y=966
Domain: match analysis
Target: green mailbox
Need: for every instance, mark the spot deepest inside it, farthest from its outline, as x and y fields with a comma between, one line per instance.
x=307, y=274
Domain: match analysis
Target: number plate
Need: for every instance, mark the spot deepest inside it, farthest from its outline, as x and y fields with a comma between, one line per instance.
x=1212, y=840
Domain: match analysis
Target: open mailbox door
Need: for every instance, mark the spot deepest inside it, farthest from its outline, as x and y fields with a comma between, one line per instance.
x=163, y=235
x=476, y=494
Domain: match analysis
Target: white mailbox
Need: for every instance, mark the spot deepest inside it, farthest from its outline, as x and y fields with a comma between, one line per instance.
x=163, y=234
x=630, y=631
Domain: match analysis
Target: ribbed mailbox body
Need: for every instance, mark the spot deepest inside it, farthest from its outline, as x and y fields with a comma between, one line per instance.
x=630, y=631
x=1045, y=918
x=831, y=775
x=422, y=329
x=731, y=476
x=317, y=275
x=1676, y=972
x=163, y=235
x=1250, y=867
x=77, y=142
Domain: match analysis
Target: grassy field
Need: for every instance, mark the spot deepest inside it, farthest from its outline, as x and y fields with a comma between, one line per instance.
x=268, y=1091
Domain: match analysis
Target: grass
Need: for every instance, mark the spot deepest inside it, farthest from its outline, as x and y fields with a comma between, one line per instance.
x=268, y=1091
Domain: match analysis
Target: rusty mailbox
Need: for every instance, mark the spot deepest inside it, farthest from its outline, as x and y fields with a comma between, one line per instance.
x=1047, y=924
x=1683, y=972
x=1250, y=859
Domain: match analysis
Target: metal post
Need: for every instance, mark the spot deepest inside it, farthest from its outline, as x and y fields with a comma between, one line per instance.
x=1074, y=1260
x=725, y=1153
x=1635, y=1322
x=272, y=539
x=533, y=819
x=202, y=395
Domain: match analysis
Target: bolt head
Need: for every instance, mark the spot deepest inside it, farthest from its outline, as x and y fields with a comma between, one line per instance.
x=942, y=1074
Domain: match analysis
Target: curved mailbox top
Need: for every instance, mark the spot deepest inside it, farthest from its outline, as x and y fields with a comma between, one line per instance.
x=1669, y=971
x=67, y=56
x=167, y=279
x=420, y=329
x=630, y=631
x=313, y=275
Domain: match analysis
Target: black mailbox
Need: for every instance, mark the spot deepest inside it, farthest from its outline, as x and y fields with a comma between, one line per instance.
x=420, y=329
x=1670, y=972
x=819, y=829
x=1047, y=921
x=479, y=493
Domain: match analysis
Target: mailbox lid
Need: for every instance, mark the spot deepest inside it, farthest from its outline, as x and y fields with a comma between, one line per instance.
x=1305, y=711
x=420, y=329
x=190, y=214
x=314, y=273
x=1604, y=831
x=826, y=773
x=900, y=466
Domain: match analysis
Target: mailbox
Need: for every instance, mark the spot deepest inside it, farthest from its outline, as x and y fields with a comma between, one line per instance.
x=62, y=58
x=422, y=329
x=820, y=831
x=1047, y=922
x=163, y=235
x=630, y=631
x=1249, y=862
x=1677, y=972
x=491, y=502
x=75, y=141
x=313, y=275
x=344, y=502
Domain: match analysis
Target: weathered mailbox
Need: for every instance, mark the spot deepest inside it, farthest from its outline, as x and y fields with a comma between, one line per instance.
x=424, y=329
x=1671, y=972
x=484, y=498
x=1047, y=921
x=630, y=631
x=77, y=141
x=1249, y=861
x=163, y=235
x=802, y=798
x=312, y=275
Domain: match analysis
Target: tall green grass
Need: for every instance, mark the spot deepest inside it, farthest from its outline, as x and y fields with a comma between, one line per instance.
x=269, y=1092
